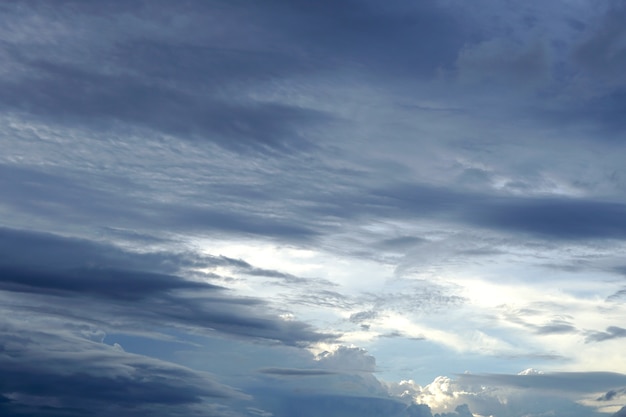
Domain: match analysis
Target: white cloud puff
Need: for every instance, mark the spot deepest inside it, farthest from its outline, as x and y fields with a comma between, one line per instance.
x=347, y=358
x=529, y=393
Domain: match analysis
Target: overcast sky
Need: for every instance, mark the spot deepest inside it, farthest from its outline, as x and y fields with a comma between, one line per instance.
x=287, y=208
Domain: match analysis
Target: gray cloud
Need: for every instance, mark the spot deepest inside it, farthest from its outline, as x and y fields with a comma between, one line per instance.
x=362, y=316
x=555, y=218
x=556, y=327
x=617, y=296
x=111, y=282
x=503, y=62
x=612, y=332
x=418, y=137
x=64, y=198
x=612, y=395
x=573, y=382
x=314, y=405
x=603, y=52
x=75, y=97
x=192, y=80
x=52, y=372
x=295, y=372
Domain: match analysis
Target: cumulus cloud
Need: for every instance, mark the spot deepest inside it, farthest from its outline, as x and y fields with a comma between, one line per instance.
x=347, y=358
x=531, y=392
x=621, y=412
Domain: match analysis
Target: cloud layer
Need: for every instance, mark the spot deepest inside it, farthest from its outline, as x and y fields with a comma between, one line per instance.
x=285, y=208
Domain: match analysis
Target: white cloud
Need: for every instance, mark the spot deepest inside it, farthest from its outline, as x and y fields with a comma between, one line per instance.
x=530, y=393
x=347, y=358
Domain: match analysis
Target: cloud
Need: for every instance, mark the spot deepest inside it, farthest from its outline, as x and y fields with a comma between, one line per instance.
x=295, y=372
x=63, y=295
x=612, y=332
x=346, y=358
x=52, y=371
x=112, y=283
x=529, y=393
x=603, y=52
x=362, y=316
x=617, y=295
x=343, y=34
x=61, y=197
x=68, y=95
x=142, y=87
x=334, y=405
x=198, y=80
x=612, y=395
x=572, y=382
x=499, y=61
x=424, y=160
x=556, y=327
x=551, y=218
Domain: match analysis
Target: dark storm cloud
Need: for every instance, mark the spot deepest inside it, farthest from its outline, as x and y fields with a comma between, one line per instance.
x=552, y=218
x=98, y=282
x=59, y=297
x=193, y=81
x=48, y=372
x=65, y=95
x=114, y=282
x=596, y=63
x=166, y=84
x=406, y=37
x=603, y=52
x=612, y=332
x=498, y=62
x=47, y=252
x=600, y=115
x=561, y=218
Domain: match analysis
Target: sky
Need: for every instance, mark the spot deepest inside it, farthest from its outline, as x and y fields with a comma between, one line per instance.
x=278, y=208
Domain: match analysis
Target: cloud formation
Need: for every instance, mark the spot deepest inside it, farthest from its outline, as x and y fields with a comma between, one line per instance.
x=283, y=208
